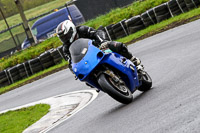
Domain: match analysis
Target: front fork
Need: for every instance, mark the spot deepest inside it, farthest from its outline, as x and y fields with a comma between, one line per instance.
x=111, y=74
x=140, y=73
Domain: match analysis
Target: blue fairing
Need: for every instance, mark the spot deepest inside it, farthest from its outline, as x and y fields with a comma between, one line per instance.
x=95, y=57
x=88, y=63
x=115, y=60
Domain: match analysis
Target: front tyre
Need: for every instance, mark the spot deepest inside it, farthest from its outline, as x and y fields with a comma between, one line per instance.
x=146, y=82
x=119, y=92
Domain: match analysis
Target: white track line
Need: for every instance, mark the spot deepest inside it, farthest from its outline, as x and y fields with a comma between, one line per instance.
x=62, y=107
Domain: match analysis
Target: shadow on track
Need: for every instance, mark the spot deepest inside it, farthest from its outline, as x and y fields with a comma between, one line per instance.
x=139, y=96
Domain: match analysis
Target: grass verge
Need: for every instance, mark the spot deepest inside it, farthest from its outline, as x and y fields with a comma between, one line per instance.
x=16, y=19
x=116, y=15
x=29, y=53
x=17, y=121
x=163, y=26
x=13, y=20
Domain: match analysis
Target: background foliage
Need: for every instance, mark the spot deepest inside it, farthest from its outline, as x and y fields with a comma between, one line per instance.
x=119, y=14
x=9, y=7
x=29, y=53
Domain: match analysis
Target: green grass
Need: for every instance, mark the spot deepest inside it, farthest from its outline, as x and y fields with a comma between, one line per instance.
x=29, y=53
x=27, y=4
x=13, y=20
x=33, y=77
x=162, y=25
x=119, y=14
x=8, y=44
x=17, y=121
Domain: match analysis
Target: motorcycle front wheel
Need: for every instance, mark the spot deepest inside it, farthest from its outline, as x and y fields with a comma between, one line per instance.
x=119, y=92
x=146, y=82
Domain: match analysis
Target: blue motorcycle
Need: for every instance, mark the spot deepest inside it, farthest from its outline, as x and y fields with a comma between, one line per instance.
x=107, y=71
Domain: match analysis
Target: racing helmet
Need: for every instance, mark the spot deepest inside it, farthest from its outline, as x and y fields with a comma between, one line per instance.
x=66, y=31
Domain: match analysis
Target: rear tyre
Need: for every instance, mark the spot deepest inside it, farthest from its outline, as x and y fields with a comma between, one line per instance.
x=119, y=92
x=146, y=82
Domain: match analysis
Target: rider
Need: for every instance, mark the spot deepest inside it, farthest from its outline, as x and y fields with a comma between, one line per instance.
x=68, y=33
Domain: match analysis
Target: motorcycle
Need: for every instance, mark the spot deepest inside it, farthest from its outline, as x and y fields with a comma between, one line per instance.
x=107, y=71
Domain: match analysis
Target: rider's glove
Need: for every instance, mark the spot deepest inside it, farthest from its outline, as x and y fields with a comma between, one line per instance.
x=66, y=57
x=104, y=45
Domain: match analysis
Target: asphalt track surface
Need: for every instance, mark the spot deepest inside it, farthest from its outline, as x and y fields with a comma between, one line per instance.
x=172, y=58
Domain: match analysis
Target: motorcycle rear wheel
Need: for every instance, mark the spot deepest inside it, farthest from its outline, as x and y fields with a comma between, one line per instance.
x=121, y=92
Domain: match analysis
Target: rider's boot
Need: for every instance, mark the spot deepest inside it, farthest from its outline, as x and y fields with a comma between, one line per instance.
x=137, y=62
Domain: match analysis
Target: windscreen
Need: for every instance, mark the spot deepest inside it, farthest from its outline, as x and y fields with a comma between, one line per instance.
x=78, y=49
x=34, y=31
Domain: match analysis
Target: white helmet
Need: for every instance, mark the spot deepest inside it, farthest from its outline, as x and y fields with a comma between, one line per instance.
x=66, y=31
